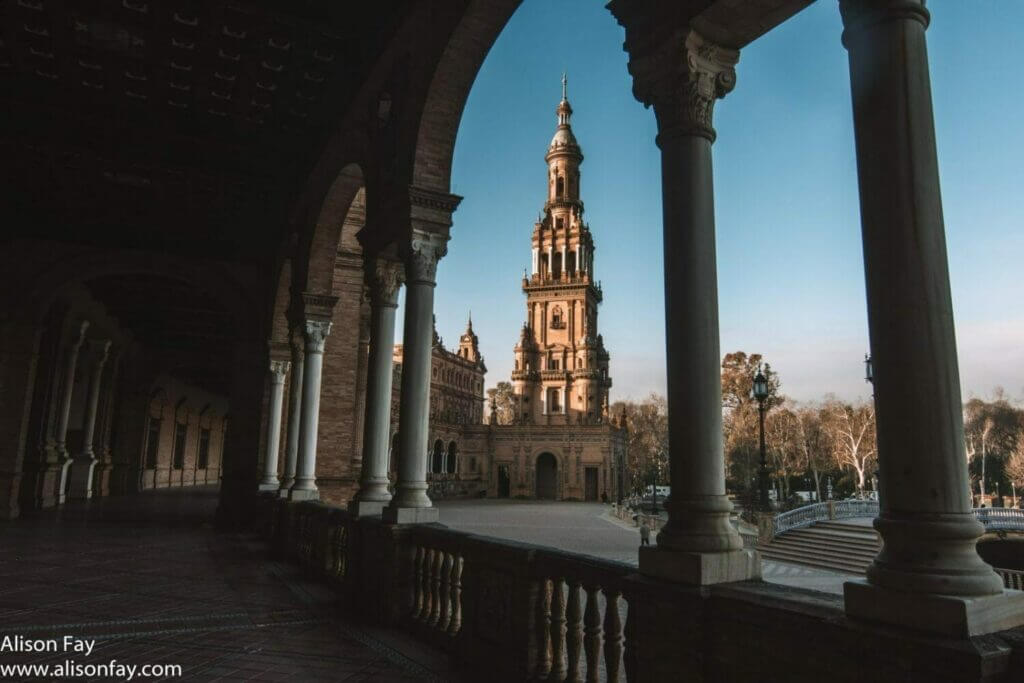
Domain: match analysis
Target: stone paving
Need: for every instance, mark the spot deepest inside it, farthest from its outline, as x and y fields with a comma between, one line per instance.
x=588, y=528
x=150, y=580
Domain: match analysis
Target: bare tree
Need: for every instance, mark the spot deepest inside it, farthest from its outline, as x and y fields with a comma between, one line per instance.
x=813, y=443
x=851, y=428
x=502, y=398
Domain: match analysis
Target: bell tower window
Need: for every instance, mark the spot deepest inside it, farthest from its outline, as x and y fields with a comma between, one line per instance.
x=560, y=187
x=557, y=318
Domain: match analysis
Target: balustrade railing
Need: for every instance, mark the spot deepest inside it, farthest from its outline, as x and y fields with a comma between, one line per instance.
x=1012, y=578
x=994, y=519
x=528, y=613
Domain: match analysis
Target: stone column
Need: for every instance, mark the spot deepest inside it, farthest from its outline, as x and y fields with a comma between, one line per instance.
x=682, y=78
x=104, y=464
x=928, y=575
x=384, y=279
x=304, y=488
x=278, y=370
x=60, y=468
x=411, y=503
x=291, y=454
x=83, y=464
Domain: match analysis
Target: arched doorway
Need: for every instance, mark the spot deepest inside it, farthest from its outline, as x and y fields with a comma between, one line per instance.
x=547, y=477
x=504, y=485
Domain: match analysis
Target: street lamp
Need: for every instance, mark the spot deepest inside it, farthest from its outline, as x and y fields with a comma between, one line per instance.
x=760, y=391
x=869, y=375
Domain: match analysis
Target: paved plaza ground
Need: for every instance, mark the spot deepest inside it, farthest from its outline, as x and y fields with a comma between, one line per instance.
x=590, y=529
x=150, y=580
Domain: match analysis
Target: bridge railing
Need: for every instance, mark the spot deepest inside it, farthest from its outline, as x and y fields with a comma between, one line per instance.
x=521, y=611
x=993, y=519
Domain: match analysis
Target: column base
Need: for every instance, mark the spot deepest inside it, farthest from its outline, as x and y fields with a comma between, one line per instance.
x=303, y=494
x=942, y=615
x=405, y=515
x=270, y=487
x=366, y=508
x=700, y=569
x=283, y=493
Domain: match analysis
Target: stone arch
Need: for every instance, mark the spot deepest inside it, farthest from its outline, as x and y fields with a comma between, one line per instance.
x=339, y=218
x=449, y=88
x=546, y=470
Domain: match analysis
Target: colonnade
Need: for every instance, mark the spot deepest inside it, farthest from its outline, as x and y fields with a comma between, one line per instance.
x=928, y=575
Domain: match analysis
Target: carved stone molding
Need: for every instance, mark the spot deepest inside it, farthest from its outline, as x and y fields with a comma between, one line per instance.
x=425, y=250
x=431, y=199
x=278, y=370
x=681, y=78
x=316, y=335
x=297, y=342
x=384, y=279
x=318, y=306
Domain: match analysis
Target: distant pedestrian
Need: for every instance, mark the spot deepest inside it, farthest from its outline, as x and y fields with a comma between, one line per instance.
x=645, y=535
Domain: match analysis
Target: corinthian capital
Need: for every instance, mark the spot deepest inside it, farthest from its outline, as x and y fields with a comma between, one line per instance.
x=316, y=335
x=384, y=278
x=278, y=369
x=682, y=77
x=425, y=250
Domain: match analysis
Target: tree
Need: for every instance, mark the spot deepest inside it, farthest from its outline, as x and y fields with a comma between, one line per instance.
x=1015, y=467
x=740, y=418
x=851, y=431
x=813, y=444
x=502, y=398
x=990, y=435
x=782, y=436
x=646, y=439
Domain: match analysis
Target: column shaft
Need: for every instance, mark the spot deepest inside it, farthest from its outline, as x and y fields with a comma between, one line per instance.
x=291, y=455
x=926, y=521
x=85, y=462
x=410, y=502
x=384, y=280
x=64, y=415
x=278, y=370
x=304, y=487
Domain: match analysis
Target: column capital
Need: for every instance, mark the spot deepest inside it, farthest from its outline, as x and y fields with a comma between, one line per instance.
x=278, y=370
x=316, y=332
x=681, y=77
x=862, y=14
x=424, y=251
x=432, y=207
x=384, y=277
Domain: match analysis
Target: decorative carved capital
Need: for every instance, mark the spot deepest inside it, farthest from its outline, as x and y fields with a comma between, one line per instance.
x=278, y=370
x=297, y=341
x=384, y=278
x=316, y=335
x=425, y=250
x=682, y=77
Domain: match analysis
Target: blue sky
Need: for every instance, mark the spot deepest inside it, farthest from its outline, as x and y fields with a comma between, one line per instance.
x=791, y=283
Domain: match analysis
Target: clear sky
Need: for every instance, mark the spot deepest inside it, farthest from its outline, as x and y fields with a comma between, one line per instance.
x=791, y=283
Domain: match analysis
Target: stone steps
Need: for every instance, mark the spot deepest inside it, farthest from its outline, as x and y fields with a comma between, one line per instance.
x=837, y=546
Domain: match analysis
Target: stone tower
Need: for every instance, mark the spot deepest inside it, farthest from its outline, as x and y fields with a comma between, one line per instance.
x=560, y=374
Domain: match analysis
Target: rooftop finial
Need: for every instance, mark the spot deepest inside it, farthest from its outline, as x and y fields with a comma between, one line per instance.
x=565, y=82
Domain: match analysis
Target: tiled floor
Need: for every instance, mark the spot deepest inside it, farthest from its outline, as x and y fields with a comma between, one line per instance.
x=150, y=580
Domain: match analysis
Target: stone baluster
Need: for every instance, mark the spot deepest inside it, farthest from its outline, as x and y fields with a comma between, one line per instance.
x=681, y=77
x=612, y=635
x=543, y=623
x=592, y=633
x=574, y=633
x=446, y=593
x=85, y=462
x=558, y=630
x=291, y=454
x=428, y=598
x=316, y=332
x=418, y=602
x=437, y=560
x=278, y=370
x=455, y=625
x=928, y=575
x=383, y=279
x=410, y=503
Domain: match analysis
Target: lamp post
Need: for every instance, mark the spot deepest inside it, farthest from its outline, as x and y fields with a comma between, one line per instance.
x=869, y=373
x=760, y=391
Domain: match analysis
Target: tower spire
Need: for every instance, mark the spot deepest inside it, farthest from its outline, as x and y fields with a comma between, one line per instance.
x=565, y=82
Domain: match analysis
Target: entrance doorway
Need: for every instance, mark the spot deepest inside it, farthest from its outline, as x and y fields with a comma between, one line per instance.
x=547, y=476
x=503, y=482
x=590, y=481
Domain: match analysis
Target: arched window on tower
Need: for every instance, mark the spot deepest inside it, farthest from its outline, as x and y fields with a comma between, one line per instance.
x=554, y=404
x=557, y=318
x=560, y=187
